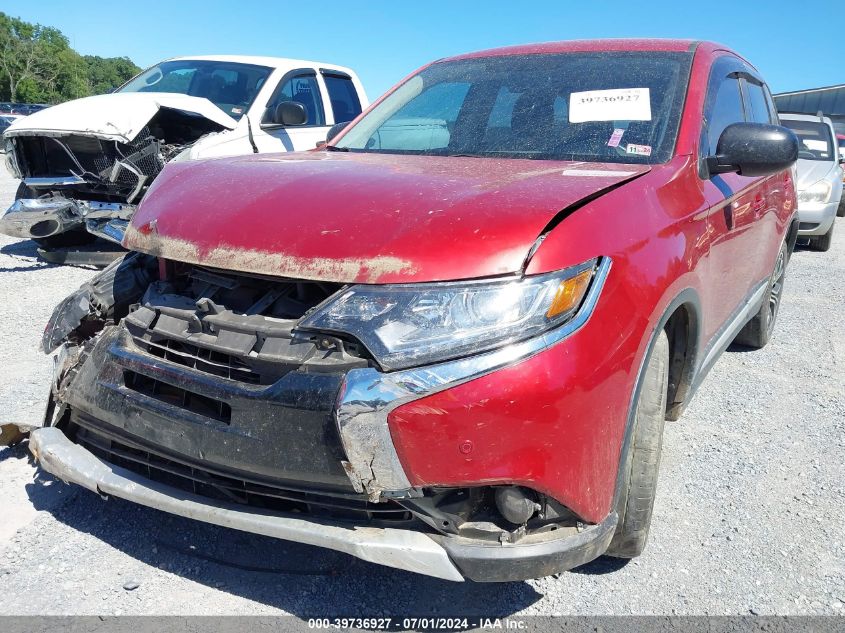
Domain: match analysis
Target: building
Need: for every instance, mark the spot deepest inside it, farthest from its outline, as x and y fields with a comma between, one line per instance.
x=830, y=101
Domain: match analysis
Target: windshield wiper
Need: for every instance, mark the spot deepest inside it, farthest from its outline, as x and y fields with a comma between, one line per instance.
x=335, y=148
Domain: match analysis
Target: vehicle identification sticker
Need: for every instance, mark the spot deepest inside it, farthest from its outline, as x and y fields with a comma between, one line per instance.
x=616, y=137
x=619, y=104
x=639, y=150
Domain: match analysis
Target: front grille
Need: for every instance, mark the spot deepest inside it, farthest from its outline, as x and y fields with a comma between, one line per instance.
x=807, y=226
x=188, y=400
x=218, y=486
x=205, y=360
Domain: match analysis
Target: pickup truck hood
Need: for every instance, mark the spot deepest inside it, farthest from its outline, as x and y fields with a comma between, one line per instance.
x=361, y=218
x=811, y=171
x=119, y=116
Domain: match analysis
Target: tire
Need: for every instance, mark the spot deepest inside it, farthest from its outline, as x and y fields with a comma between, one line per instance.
x=822, y=243
x=840, y=210
x=758, y=330
x=642, y=464
x=76, y=237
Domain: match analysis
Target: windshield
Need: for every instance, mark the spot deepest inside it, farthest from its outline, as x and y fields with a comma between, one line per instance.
x=816, y=141
x=230, y=86
x=606, y=107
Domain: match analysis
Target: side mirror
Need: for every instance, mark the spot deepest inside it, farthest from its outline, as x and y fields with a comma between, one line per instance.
x=334, y=130
x=290, y=113
x=754, y=149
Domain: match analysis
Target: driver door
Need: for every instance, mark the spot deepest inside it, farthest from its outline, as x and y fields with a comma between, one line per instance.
x=301, y=86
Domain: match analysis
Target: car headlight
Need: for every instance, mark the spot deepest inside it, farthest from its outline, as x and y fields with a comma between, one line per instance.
x=11, y=160
x=818, y=193
x=406, y=325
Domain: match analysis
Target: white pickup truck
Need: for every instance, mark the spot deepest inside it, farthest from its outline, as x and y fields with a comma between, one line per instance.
x=84, y=165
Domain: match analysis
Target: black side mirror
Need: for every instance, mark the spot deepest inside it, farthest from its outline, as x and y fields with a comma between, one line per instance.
x=334, y=130
x=290, y=113
x=754, y=149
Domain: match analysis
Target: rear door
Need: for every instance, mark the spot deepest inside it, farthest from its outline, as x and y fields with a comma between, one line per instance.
x=737, y=204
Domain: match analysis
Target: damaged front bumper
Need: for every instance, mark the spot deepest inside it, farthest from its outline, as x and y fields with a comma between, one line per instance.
x=404, y=549
x=434, y=555
x=38, y=218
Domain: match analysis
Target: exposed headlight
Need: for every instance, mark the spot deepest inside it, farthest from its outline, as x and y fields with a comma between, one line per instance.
x=405, y=325
x=818, y=193
x=11, y=159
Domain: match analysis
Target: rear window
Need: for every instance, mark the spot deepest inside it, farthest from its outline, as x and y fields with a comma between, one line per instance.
x=815, y=138
x=344, y=98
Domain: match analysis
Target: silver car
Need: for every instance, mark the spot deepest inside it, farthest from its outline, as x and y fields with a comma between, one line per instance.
x=819, y=177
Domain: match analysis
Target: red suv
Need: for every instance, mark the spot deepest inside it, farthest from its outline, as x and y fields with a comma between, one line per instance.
x=448, y=341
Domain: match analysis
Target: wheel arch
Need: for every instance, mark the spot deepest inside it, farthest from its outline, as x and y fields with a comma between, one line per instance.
x=683, y=317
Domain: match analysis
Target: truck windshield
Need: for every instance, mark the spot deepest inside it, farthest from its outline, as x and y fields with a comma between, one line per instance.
x=605, y=107
x=230, y=86
x=815, y=138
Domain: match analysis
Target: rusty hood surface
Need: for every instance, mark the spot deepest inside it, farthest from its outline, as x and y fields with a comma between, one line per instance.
x=361, y=218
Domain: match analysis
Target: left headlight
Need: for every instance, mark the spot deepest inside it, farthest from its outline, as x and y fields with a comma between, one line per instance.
x=406, y=325
x=818, y=192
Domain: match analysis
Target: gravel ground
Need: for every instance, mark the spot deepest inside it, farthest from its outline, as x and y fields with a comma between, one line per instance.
x=749, y=516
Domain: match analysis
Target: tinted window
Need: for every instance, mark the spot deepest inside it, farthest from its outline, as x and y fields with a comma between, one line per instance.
x=302, y=89
x=345, y=103
x=609, y=107
x=232, y=87
x=816, y=141
x=759, y=108
x=725, y=109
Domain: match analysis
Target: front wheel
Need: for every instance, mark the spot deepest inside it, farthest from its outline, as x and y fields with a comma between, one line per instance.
x=840, y=210
x=639, y=488
x=822, y=243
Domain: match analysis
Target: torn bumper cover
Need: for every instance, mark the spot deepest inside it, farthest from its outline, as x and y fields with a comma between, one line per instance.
x=38, y=218
x=418, y=552
x=404, y=549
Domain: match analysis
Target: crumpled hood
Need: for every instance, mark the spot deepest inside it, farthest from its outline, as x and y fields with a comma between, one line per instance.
x=119, y=116
x=365, y=218
x=811, y=171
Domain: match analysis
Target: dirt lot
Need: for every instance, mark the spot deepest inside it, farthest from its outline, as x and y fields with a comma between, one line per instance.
x=750, y=515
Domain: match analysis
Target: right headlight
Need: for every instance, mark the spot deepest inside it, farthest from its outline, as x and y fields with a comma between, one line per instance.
x=818, y=193
x=406, y=325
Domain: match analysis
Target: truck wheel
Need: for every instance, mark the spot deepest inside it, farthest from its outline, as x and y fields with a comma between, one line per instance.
x=758, y=330
x=822, y=242
x=77, y=237
x=643, y=462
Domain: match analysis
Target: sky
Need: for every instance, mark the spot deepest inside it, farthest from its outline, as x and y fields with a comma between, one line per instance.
x=384, y=41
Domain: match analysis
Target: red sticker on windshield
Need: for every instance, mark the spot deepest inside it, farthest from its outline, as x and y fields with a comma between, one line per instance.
x=615, y=138
x=639, y=150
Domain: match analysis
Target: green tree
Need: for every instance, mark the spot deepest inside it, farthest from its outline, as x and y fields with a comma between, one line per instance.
x=26, y=53
x=38, y=65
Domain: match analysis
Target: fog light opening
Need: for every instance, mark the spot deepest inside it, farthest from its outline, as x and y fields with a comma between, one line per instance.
x=516, y=504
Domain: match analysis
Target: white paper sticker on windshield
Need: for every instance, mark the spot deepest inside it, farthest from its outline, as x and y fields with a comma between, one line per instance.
x=816, y=146
x=620, y=104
